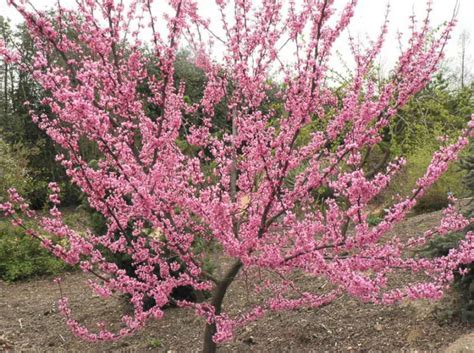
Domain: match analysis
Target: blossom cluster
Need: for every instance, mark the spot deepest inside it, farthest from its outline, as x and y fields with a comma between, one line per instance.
x=246, y=204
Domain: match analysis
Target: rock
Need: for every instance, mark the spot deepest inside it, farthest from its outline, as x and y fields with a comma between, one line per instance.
x=249, y=340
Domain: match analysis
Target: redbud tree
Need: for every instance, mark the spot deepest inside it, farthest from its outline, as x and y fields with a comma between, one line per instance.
x=232, y=191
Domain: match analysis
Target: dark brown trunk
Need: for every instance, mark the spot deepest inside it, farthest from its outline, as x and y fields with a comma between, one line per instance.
x=5, y=88
x=217, y=300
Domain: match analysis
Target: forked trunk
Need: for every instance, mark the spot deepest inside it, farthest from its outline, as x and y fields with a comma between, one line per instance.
x=217, y=300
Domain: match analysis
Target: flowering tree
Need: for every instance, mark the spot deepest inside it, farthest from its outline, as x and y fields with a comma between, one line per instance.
x=233, y=190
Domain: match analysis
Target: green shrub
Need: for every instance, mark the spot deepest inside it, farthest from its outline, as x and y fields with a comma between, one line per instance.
x=441, y=246
x=434, y=200
x=467, y=164
x=22, y=257
x=16, y=173
x=374, y=219
x=436, y=197
x=13, y=169
x=37, y=194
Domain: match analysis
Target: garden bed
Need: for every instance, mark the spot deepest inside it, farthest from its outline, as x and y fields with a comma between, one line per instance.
x=29, y=320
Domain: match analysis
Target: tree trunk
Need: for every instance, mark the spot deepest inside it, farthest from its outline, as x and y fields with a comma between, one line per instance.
x=217, y=299
x=5, y=89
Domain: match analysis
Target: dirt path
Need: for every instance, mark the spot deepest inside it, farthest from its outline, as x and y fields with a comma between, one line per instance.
x=464, y=344
x=29, y=321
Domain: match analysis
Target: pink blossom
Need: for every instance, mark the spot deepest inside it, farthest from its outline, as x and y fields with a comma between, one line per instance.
x=253, y=190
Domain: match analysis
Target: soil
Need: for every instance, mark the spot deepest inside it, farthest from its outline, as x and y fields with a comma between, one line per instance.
x=29, y=321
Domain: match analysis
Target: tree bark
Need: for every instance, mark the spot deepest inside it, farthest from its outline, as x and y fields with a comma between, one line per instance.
x=217, y=300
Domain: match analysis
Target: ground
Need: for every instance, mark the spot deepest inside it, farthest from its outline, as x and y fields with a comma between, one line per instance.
x=30, y=321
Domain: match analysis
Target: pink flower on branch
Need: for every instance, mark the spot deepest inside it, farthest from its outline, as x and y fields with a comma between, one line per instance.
x=254, y=187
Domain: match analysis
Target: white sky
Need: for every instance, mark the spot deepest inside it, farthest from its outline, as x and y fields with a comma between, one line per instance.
x=369, y=16
x=366, y=23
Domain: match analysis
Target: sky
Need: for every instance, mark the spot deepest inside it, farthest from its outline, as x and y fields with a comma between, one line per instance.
x=366, y=23
x=369, y=15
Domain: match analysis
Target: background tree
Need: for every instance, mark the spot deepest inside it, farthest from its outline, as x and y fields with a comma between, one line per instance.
x=465, y=59
x=441, y=109
x=91, y=69
x=17, y=128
